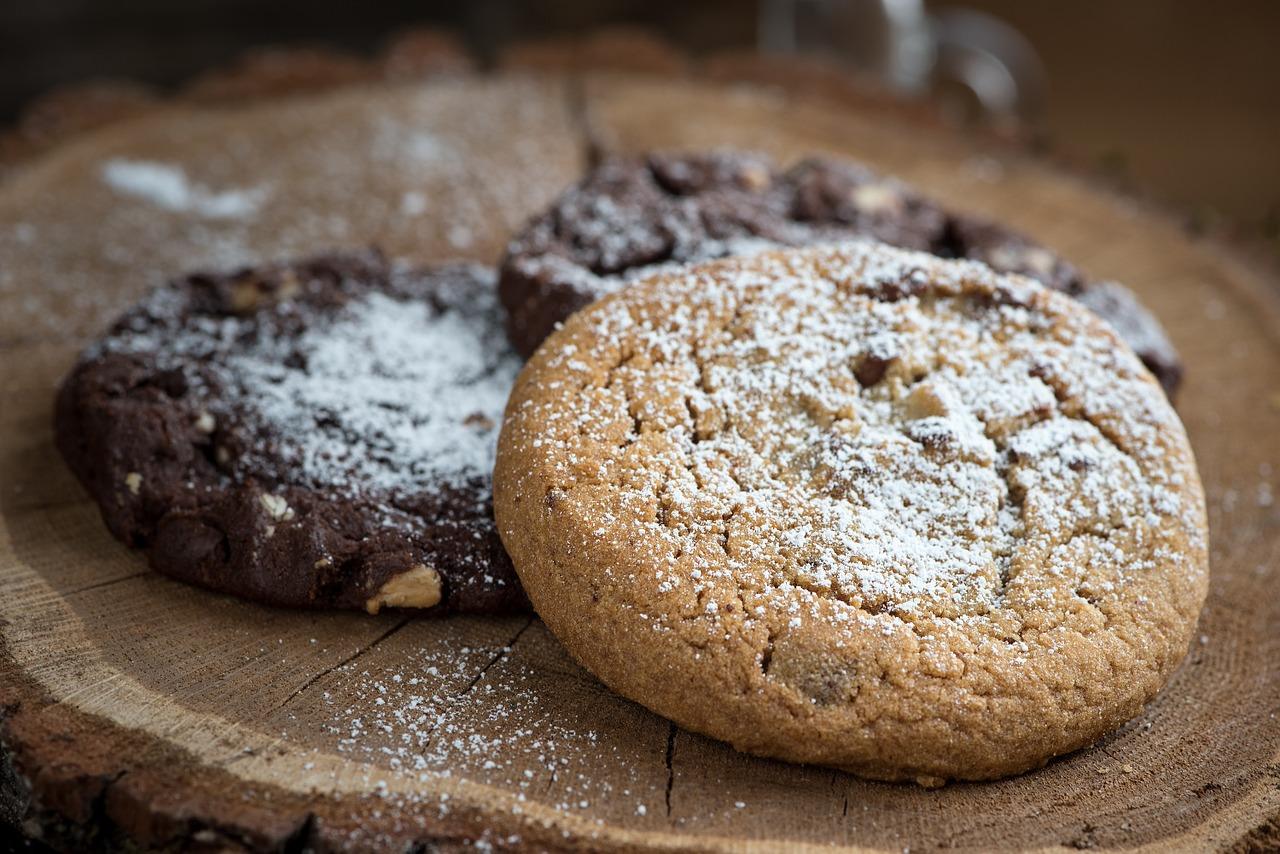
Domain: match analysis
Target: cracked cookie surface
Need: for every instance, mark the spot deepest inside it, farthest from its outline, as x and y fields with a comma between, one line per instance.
x=857, y=506
x=630, y=216
x=319, y=433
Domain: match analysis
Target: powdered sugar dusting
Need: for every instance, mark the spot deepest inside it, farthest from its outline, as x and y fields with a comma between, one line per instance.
x=167, y=186
x=454, y=709
x=874, y=430
x=389, y=393
x=393, y=393
x=97, y=227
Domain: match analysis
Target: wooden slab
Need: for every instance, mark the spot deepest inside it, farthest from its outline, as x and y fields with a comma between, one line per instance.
x=137, y=709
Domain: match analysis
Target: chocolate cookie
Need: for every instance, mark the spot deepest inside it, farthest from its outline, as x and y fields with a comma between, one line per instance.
x=630, y=216
x=319, y=433
x=857, y=506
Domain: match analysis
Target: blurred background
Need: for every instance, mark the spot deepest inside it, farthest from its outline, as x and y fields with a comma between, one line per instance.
x=1177, y=98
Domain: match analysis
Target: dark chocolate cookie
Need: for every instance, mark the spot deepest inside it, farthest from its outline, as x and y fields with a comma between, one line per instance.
x=631, y=215
x=319, y=433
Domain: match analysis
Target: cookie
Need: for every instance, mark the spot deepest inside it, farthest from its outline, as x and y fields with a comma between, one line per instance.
x=1138, y=328
x=857, y=506
x=633, y=215
x=318, y=433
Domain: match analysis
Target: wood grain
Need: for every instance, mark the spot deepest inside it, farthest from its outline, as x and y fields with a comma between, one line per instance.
x=139, y=710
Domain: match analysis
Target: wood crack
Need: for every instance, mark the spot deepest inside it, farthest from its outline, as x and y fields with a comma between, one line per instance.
x=300, y=838
x=453, y=699
x=555, y=773
x=404, y=621
x=502, y=653
x=15, y=507
x=97, y=585
x=671, y=775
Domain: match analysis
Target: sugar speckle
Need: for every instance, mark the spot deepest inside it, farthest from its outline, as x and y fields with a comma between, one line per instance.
x=167, y=186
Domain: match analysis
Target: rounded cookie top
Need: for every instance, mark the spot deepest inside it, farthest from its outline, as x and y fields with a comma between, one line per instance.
x=631, y=216
x=857, y=506
x=314, y=433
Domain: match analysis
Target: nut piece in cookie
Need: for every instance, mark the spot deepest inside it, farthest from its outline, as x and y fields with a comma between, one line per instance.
x=318, y=433
x=945, y=525
x=419, y=587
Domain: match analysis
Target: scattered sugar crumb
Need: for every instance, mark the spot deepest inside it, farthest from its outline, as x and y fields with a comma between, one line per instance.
x=167, y=186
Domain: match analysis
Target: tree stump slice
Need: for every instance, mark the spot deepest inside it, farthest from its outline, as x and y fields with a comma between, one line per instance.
x=135, y=710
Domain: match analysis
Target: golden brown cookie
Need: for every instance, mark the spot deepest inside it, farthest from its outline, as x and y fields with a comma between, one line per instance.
x=857, y=506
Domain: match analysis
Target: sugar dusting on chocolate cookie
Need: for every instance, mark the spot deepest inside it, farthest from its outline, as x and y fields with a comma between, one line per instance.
x=631, y=216
x=316, y=433
x=387, y=396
